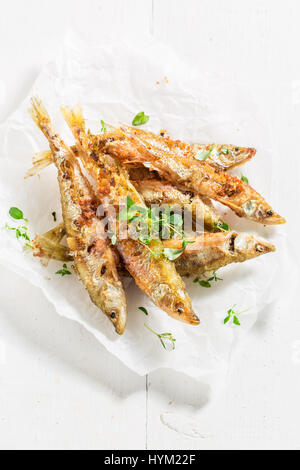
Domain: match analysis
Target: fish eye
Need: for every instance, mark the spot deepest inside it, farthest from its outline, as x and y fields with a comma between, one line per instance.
x=180, y=310
x=259, y=248
x=113, y=315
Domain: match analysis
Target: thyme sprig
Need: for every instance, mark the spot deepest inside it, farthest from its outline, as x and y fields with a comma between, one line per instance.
x=232, y=316
x=207, y=282
x=64, y=271
x=21, y=231
x=164, y=337
x=155, y=224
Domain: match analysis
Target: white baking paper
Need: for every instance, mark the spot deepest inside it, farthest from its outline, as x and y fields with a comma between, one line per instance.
x=114, y=82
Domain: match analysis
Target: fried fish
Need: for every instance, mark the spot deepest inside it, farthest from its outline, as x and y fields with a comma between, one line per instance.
x=212, y=251
x=223, y=157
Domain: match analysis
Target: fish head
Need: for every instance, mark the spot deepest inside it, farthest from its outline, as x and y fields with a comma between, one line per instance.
x=178, y=306
x=116, y=308
x=262, y=212
x=248, y=246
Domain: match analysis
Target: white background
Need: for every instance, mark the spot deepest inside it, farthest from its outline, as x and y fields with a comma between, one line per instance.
x=59, y=389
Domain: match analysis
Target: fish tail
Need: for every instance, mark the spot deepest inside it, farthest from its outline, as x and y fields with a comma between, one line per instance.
x=41, y=117
x=40, y=161
x=75, y=120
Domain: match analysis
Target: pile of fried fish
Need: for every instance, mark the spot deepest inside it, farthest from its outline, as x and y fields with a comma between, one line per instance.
x=143, y=168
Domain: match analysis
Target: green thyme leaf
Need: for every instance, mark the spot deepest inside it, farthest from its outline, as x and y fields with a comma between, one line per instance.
x=172, y=253
x=64, y=271
x=244, y=179
x=205, y=284
x=140, y=119
x=16, y=213
x=223, y=227
x=144, y=310
x=202, y=156
x=176, y=220
x=225, y=150
x=103, y=127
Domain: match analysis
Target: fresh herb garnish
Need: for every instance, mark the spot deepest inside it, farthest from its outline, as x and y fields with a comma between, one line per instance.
x=155, y=224
x=22, y=231
x=225, y=151
x=54, y=216
x=144, y=310
x=232, y=315
x=245, y=179
x=207, y=283
x=221, y=226
x=164, y=337
x=204, y=284
x=202, y=156
x=16, y=213
x=103, y=127
x=64, y=271
x=172, y=254
x=214, y=277
x=140, y=119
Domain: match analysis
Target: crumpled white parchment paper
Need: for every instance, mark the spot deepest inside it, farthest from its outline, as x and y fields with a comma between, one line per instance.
x=114, y=82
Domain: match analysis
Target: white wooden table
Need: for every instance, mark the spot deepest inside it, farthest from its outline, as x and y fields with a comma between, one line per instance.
x=59, y=389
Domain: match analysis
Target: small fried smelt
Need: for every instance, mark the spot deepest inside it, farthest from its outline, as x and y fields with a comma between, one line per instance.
x=223, y=157
x=155, y=276
x=93, y=258
x=199, y=177
x=212, y=251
